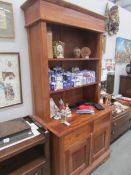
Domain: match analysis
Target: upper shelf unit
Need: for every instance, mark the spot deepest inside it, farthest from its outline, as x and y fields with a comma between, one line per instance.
x=75, y=27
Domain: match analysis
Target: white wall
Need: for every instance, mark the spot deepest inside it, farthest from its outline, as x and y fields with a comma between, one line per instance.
x=19, y=44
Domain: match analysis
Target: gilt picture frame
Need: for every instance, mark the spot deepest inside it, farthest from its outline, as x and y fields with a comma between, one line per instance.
x=10, y=80
x=6, y=20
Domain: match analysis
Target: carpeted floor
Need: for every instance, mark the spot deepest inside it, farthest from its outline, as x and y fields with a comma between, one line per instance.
x=119, y=162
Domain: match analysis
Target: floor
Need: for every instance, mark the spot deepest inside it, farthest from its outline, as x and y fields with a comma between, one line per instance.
x=119, y=162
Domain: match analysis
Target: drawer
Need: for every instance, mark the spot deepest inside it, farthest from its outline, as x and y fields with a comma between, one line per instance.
x=105, y=119
x=116, y=132
x=77, y=135
x=120, y=121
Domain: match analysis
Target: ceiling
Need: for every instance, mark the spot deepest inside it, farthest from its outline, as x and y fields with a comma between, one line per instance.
x=123, y=3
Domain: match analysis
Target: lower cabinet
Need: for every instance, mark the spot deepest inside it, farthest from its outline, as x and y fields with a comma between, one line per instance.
x=80, y=151
x=100, y=142
x=77, y=157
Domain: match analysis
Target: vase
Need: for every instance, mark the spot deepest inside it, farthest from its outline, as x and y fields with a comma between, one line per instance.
x=128, y=68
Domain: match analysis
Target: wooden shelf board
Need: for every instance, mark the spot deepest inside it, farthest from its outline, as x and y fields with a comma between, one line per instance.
x=20, y=147
x=29, y=167
x=68, y=89
x=72, y=59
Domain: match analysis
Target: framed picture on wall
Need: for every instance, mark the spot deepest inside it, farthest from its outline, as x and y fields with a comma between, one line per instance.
x=6, y=20
x=123, y=50
x=10, y=80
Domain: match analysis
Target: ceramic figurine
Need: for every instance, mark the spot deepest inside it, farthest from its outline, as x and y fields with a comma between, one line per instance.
x=61, y=105
x=54, y=110
x=77, y=52
x=67, y=111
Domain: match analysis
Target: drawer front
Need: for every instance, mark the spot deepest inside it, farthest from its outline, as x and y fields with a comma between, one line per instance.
x=119, y=126
x=120, y=121
x=77, y=135
x=118, y=131
x=105, y=119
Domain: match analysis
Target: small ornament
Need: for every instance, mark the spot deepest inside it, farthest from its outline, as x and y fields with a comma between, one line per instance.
x=85, y=52
x=77, y=52
x=128, y=68
x=61, y=105
x=54, y=110
x=58, y=49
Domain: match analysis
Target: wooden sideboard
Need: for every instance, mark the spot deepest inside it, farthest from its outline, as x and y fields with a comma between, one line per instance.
x=120, y=124
x=125, y=86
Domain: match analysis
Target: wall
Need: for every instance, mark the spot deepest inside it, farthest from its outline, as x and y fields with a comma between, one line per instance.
x=19, y=44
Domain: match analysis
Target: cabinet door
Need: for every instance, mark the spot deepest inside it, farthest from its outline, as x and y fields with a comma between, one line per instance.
x=77, y=157
x=100, y=142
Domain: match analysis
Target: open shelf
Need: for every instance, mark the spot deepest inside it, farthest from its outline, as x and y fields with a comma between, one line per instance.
x=20, y=147
x=73, y=59
x=30, y=166
x=68, y=89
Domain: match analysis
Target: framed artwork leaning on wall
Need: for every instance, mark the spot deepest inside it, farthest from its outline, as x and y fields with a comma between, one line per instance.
x=10, y=80
x=6, y=20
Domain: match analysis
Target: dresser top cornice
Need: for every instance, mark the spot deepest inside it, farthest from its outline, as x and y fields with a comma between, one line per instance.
x=63, y=3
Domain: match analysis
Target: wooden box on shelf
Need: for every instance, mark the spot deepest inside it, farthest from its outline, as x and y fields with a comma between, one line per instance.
x=81, y=147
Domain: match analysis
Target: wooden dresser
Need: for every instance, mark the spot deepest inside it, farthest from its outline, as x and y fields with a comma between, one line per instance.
x=120, y=124
x=82, y=146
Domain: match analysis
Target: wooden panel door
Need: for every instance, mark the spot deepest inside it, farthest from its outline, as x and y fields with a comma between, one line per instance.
x=77, y=157
x=100, y=142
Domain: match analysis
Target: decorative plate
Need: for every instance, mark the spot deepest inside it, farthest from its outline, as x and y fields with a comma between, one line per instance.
x=85, y=52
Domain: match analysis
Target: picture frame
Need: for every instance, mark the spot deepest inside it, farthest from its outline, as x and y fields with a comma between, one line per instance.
x=123, y=50
x=6, y=20
x=10, y=80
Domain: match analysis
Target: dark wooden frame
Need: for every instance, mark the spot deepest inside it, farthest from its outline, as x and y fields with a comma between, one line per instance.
x=19, y=72
x=13, y=34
